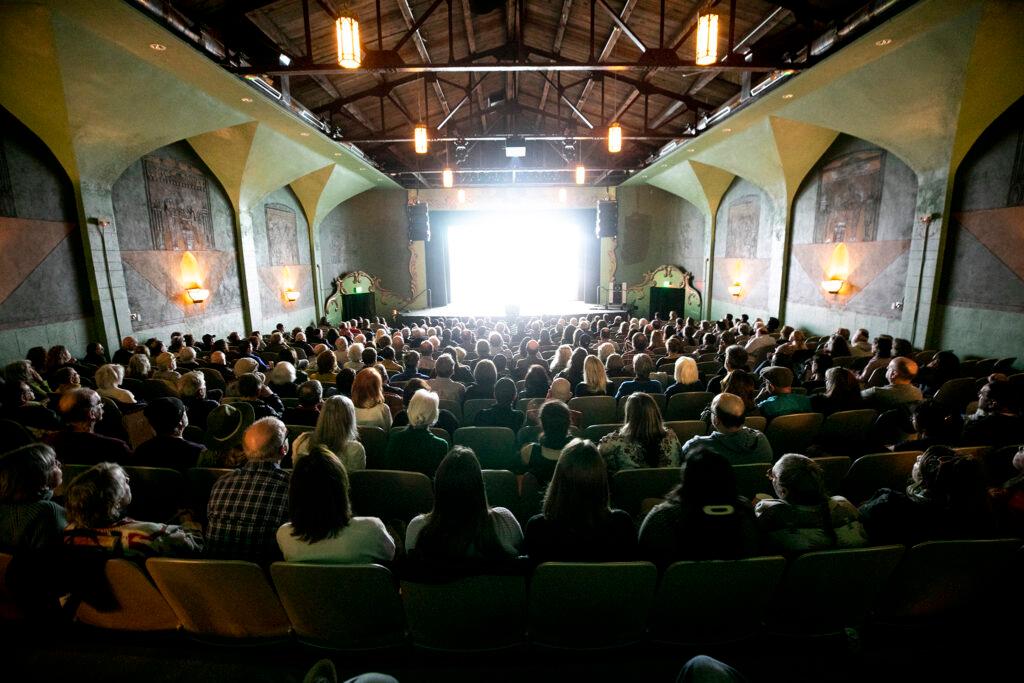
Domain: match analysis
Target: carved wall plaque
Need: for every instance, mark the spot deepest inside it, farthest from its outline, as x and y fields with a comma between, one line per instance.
x=849, y=195
x=744, y=224
x=179, y=205
x=282, y=242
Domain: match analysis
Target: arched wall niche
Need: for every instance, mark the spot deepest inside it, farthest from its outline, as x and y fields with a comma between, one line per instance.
x=44, y=284
x=981, y=302
x=862, y=196
x=167, y=203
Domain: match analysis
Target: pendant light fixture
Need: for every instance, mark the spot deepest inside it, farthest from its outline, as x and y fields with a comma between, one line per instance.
x=707, y=39
x=346, y=30
x=615, y=138
x=420, y=138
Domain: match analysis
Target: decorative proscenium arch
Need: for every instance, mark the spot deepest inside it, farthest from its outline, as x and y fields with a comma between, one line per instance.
x=675, y=277
x=357, y=282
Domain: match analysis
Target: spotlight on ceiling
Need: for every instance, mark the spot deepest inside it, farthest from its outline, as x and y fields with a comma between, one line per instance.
x=515, y=147
x=284, y=59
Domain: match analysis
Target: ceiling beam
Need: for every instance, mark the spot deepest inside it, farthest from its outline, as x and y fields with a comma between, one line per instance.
x=421, y=48
x=606, y=51
x=556, y=48
x=467, y=20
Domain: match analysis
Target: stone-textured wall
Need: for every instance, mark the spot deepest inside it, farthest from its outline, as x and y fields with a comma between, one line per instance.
x=167, y=204
x=282, y=258
x=657, y=228
x=44, y=286
x=367, y=232
x=981, y=309
x=862, y=196
x=746, y=223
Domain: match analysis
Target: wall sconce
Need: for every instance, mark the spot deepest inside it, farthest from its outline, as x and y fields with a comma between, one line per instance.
x=736, y=289
x=198, y=294
x=291, y=295
x=838, y=270
x=832, y=286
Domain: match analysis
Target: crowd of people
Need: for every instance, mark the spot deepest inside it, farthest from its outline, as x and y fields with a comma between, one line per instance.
x=211, y=402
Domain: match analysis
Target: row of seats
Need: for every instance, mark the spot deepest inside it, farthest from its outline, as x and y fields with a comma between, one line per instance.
x=157, y=493
x=562, y=605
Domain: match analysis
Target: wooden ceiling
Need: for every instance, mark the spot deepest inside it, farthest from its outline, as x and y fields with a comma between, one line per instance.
x=514, y=102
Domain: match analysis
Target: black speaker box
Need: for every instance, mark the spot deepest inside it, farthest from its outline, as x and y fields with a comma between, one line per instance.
x=607, y=218
x=419, y=222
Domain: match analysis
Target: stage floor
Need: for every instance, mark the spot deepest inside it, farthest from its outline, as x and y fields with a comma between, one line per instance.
x=566, y=309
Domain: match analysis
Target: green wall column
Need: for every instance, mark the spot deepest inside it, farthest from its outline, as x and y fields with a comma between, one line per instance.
x=249, y=280
x=924, y=269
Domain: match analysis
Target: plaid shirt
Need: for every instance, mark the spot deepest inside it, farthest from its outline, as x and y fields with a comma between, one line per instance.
x=246, y=508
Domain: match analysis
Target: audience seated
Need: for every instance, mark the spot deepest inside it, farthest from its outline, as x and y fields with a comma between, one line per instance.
x=462, y=527
x=326, y=369
x=1008, y=498
x=946, y=499
x=124, y=354
x=943, y=367
x=225, y=426
x=880, y=358
x=703, y=518
x=336, y=431
x=997, y=421
x=502, y=413
x=29, y=518
x=777, y=397
x=19, y=405
x=417, y=449
x=168, y=448
x=900, y=392
x=804, y=517
x=443, y=385
x=536, y=384
x=281, y=379
x=934, y=425
x=322, y=528
x=686, y=377
x=310, y=395
x=95, y=504
x=642, y=369
x=249, y=504
x=485, y=375
x=79, y=443
x=368, y=397
x=264, y=402
x=842, y=392
x=540, y=457
x=642, y=441
x=738, y=444
x=595, y=380
x=577, y=523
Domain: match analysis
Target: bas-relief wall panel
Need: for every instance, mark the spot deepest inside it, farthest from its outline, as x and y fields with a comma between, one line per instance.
x=166, y=204
x=367, y=232
x=982, y=291
x=861, y=196
x=44, y=285
x=282, y=259
x=743, y=250
x=658, y=228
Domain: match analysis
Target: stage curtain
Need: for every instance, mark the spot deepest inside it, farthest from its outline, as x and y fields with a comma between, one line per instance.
x=590, y=255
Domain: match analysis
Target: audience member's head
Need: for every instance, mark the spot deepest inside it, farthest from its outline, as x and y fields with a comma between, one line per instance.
x=29, y=474
x=728, y=412
x=798, y=480
x=367, y=389
x=577, y=497
x=741, y=383
x=319, y=502
x=423, y=409
x=167, y=416
x=81, y=408
x=282, y=374
x=266, y=440
x=336, y=425
x=554, y=423
x=97, y=498
x=685, y=371
x=780, y=378
x=901, y=370
x=310, y=393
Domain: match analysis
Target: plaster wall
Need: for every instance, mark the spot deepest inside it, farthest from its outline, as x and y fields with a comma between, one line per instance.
x=44, y=286
x=657, y=228
x=748, y=223
x=864, y=197
x=981, y=307
x=157, y=221
x=281, y=237
x=367, y=232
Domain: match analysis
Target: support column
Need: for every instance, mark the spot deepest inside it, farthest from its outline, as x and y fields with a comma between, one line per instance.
x=924, y=270
x=248, y=276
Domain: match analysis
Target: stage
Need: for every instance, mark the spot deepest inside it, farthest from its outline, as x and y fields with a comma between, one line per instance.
x=566, y=309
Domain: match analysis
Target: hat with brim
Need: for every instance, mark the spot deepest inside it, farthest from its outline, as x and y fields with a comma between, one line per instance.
x=227, y=423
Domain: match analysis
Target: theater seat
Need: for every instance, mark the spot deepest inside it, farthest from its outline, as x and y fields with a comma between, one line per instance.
x=472, y=614
x=220, y=599
x=495, y=447
x=390, y=494
x=687, y=406
x=590, y=606
x=200, y=483
x=157, y=493
x=687, y=429
x=594, y=409
x=473, y=406
x=140, y=606
x=629, y=488
x=869, y=473
x=714, y=601
x=344, y=607
x=793, y=433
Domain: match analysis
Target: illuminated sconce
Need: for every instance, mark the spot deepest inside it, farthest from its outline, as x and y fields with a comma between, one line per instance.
x=736, y=289
x=447, y=177
x=346, y=31
x=615, y=138
x=190, y=277
x=291, y=295
x=198, y=294
x=581, y=174
x=838, y=270
x=707, y=39
x=420, y=138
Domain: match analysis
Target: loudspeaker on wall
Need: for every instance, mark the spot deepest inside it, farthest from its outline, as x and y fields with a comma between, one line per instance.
x=607, y=218
x=418, y=222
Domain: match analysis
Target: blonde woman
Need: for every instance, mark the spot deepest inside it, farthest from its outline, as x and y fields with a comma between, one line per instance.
x=686, y=376
x=561, y=359
x=335, y=430
x=595, y=379
x=643, y=441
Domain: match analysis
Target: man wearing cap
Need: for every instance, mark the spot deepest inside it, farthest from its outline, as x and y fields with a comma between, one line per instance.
x=168, y=418
x=737, y=443
x=311, y=398
x=225, y=427
x=248, y=504
x=777, y=397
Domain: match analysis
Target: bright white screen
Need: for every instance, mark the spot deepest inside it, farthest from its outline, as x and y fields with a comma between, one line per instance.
x=531, y=260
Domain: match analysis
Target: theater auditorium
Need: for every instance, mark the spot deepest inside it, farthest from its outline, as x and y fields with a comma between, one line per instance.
x=508, y=340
